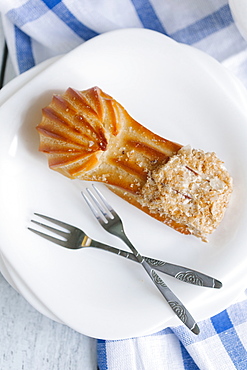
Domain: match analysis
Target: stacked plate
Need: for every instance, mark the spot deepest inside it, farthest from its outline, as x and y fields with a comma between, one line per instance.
x=177, y=92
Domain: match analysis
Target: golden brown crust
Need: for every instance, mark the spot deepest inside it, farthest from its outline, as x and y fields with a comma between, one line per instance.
x=88, y=135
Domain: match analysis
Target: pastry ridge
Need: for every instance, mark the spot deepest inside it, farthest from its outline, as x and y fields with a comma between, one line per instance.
x=89, y=131
x=88, y=135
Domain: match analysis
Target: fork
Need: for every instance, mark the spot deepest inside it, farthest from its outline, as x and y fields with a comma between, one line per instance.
x=75, y=238
x=112, y=223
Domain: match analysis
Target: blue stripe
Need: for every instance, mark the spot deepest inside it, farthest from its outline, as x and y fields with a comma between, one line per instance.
x=230, y=340
x=221, y=322
x=28, y=12
x=51, y=3
x=147, y=15
x=33, y=9
x=235, y=349
x=188, y=361
x=197, y=31
x=102, y=355
x=192, y=34
x=24, y=50
x=71, y=21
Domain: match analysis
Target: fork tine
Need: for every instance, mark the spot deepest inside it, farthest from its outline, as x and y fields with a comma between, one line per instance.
x=100, y=207
x=48, y=237
x=64, y=234
x=90, y=205
x=103, y=199
x=95, y=207
x=57, y=222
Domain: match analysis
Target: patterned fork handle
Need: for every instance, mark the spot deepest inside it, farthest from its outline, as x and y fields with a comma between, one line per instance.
x=113, y=224
x=176, y=305
x=179, y=272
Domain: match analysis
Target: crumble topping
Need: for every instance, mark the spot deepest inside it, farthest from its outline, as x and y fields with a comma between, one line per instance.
x=192, y=188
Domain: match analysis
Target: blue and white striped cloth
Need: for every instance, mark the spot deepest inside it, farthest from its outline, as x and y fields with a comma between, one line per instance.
x=36, y=29
x=221, y=345
x=39, y=29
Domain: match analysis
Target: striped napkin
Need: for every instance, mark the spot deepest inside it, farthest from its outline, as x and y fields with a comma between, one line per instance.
x=36, y=30
x=221, y=345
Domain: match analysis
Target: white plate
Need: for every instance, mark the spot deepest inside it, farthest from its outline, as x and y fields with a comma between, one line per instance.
x=239, y=13
x=176, y=91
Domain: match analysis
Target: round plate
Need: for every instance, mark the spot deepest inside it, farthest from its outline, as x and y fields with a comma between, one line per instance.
x=176, y=91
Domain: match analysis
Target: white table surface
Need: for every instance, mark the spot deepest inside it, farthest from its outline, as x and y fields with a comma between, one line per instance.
x=29, y=340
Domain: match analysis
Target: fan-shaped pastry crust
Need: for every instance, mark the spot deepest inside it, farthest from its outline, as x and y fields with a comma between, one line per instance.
x=90, y=136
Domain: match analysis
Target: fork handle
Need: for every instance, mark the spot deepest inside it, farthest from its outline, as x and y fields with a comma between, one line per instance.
x=175, y=304
x=182, y=273
x=173, y=301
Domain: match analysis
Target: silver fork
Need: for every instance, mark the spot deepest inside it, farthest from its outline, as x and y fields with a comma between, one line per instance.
x=75, y=238
x=112, y=223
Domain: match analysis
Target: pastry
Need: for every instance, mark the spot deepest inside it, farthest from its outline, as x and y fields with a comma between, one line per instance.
x=88, y=135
